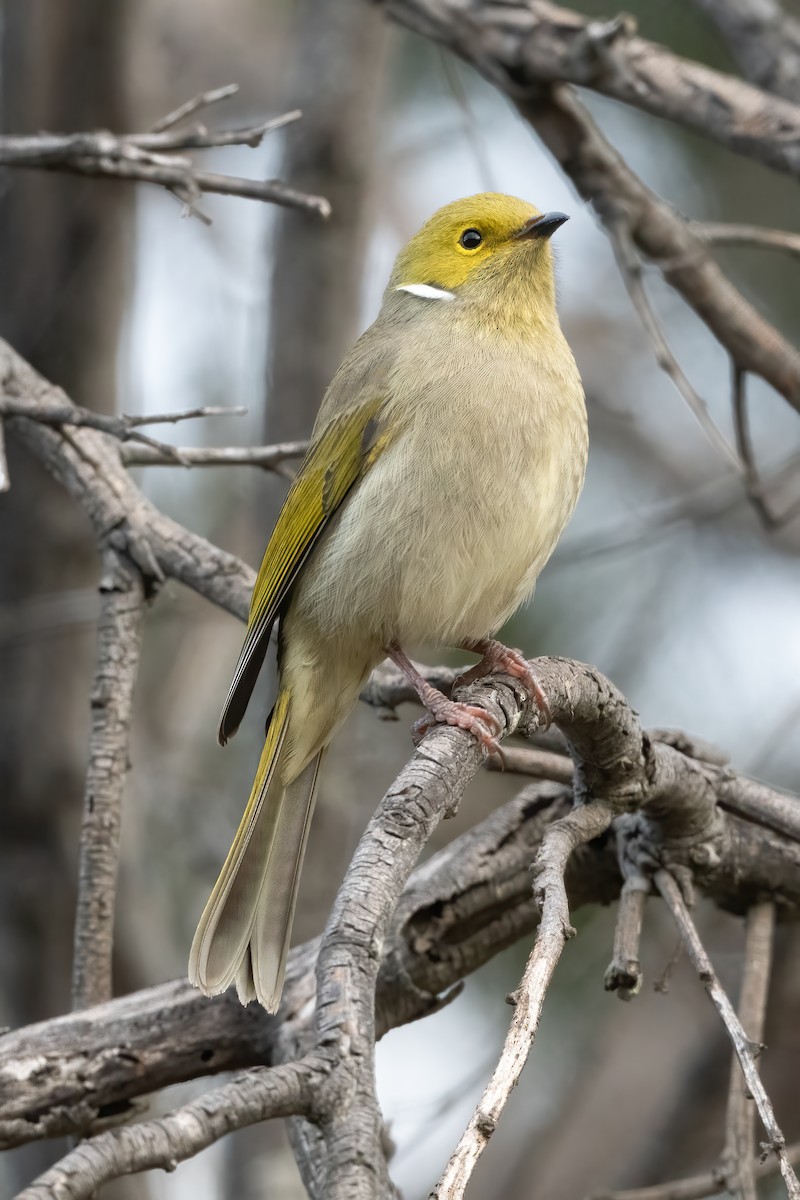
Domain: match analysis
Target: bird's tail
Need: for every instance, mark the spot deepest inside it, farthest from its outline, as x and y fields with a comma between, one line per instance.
x=244, y=932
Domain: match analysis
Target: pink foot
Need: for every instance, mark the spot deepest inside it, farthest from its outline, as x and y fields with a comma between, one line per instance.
x=500, y=659
x=477, y=721
x=441, y=711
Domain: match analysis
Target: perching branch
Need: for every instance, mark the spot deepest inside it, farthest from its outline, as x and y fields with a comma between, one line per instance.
x=156, y=157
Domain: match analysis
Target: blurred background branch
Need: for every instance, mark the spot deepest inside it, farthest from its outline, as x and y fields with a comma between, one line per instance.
x=156, y=157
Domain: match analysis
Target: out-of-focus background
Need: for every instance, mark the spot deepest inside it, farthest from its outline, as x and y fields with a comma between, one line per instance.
x=665, y=579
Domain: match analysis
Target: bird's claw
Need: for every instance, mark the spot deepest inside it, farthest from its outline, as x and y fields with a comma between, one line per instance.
x=483, y=726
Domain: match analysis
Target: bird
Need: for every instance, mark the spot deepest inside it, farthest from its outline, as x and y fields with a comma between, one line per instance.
x=447, y=456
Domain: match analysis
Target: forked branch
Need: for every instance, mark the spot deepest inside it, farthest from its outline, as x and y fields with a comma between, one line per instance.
x=159, y=157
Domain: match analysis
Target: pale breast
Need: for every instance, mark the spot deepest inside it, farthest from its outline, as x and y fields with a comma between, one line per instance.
x=445, y=536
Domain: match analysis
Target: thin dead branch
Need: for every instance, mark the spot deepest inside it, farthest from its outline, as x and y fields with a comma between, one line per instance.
x=269, y=458
x=624, y=974
x=119, y=634
x=630, y=266
x=561, y=839
x=124, y=427
x=739, y=1154
x=190, y=107
x=156, y=157
x=729, y=234
x=744, y=444
x=744, y=1049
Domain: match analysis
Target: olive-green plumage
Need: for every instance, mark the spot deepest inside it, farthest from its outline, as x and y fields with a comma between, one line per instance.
x=446, y=459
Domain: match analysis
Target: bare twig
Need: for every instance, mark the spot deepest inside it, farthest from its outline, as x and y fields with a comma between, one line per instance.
x=561, y=839
x=154, y=157
x=200, y=138
x=697, y=1187
x=270, y=458
x=743, y=1047
x=744, y=445
x=257, y=1095
x=124, y=427
x=739, y=1155
x=190, y=107
x=624, y=974
x=119, y=633
x=134, y=420
x=723, y=234
x=630, y=267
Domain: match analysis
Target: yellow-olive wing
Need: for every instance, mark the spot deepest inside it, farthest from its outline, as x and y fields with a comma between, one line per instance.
x=339, y=454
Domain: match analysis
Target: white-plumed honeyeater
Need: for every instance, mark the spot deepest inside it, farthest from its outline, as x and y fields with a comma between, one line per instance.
x=446, y=459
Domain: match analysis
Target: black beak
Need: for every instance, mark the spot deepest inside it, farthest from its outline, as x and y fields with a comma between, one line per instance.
x=543, y=226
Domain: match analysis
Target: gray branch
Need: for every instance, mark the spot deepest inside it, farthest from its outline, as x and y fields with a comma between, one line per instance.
x=269, y=458
x=534, y=42
x=258, y=1095
x=560, y=840
x=119, y=636
x=764, y=40
x=743, y=1048
x=155, y=157
x=739, y=1155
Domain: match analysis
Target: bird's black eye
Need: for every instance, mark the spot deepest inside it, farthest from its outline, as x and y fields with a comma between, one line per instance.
x=470, y=239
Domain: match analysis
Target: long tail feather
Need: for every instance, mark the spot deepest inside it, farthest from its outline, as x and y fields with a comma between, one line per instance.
x=244, y=932
x=269, y=941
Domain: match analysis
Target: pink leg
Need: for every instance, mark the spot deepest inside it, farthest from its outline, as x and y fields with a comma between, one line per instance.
x=497, y=658
x=477, y=721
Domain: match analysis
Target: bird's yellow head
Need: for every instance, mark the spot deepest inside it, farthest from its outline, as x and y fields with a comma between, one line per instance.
x=478, y=245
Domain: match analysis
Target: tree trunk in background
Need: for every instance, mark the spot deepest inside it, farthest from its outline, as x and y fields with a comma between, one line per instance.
x=63, y=257
x=318, y=265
